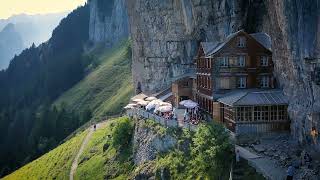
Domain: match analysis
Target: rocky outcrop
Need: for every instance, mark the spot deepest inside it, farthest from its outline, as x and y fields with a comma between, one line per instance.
x=166, y=34
x=148, y=142
x=108, y=21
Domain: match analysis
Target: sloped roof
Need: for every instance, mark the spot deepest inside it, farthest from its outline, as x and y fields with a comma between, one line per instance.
x=254, y=98
x=210, y=48
x=219, y=45
x=263, y=38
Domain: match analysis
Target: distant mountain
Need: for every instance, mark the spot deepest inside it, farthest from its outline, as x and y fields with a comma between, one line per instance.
x=34, y=28
x=10, y=44
x=23, y=31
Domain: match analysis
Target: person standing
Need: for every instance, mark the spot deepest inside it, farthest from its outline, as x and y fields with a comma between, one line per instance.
x=314, y=135
x=185, y=115
x=237, y=156
x=290, y=172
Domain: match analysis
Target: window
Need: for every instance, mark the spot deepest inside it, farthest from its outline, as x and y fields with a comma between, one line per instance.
x=225, y=83
x=242, y=42
x=273, y=113
x=224, y=62
x=264, y=61
x=244, y=114
x=257, y=113
x=208, y=83
x=283, y=114
x=242, y=61
x=242, y=82
x=264, y=83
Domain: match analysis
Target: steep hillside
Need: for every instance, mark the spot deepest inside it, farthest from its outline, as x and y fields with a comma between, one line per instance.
x=28, y=86
x=39, y=75
x=125, y=148
x=105, y=90
x=54, y=165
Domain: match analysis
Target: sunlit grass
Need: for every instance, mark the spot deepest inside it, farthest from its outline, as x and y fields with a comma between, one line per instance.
x=107, y=88
x=54, y=165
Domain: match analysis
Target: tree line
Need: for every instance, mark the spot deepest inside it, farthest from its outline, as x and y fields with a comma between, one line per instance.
x=29, y=125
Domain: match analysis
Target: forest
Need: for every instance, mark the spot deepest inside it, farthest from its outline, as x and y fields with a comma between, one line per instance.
x=29, y=124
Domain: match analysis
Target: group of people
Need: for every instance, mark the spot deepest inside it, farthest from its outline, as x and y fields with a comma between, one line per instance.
x=167, y=115
x=192, y=115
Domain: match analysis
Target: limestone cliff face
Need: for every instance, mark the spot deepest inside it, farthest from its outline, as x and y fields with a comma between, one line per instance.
x=295, y=27
x=148, y=142
x=108, y=21
x=165, y=35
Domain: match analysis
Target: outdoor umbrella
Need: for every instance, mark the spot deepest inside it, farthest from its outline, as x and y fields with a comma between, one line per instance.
x=143, y=103
x=153, y=104
x=190, y=105
x=186, y=101
x=136, y=100
x=165, y=108
x=130, y=106
x=150, y=98
x=165, y=104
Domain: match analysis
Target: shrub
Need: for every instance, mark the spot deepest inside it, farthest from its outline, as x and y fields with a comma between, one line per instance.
x=211, y=151
x=204, y=155
x=122, y=133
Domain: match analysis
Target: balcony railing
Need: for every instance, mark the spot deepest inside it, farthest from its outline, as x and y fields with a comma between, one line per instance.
x=138, y=112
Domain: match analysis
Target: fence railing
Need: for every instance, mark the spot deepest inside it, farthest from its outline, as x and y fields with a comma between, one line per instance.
x=163, y=121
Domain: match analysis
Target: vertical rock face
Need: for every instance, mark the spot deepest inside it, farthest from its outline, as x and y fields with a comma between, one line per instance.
x=108, y=21
x=294, y=28
x=166, y=34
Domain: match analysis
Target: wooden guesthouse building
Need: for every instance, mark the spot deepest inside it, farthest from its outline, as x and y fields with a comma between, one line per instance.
x=236, y=85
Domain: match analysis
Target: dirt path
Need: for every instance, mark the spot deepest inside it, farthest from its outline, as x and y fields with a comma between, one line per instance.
x=83, y=145
x=263, y=165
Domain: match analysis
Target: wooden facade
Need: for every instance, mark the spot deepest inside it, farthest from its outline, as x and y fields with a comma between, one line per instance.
x=240, y=63
x=261, y=118
x=182, y=89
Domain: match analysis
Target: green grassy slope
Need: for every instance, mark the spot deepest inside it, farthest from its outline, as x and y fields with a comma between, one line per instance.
x=107, y=88
x=100, y=160
x=54, y=165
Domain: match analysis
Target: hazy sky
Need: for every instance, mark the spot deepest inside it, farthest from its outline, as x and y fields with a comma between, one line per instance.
x=12, y=7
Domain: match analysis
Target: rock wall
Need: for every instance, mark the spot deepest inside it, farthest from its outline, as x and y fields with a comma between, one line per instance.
x=166, y=33
x=108, y=21
x=294, y=28
x=148, y=142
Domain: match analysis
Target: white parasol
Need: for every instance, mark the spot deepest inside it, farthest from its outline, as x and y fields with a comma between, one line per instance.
x=165, y=108
x=136, y=100
x=130, y=106
x=143, y=103
x=190, y=105
x=150, y=98
x=165, y=104
x=186, y=101
x=153, y=104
